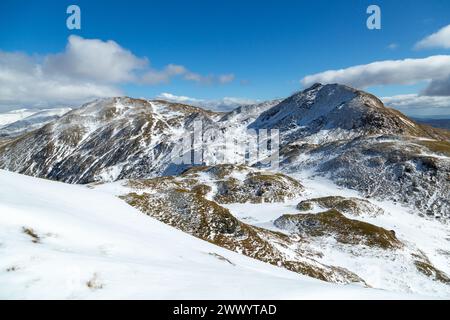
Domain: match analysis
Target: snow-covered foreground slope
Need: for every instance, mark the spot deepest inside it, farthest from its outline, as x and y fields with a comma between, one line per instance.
x=380, y=243
x=71, y=242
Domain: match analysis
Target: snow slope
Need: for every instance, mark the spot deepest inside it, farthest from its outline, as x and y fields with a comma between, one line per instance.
x=15, y=115
x=61, y=241
x=390, y=270
x=37, y=119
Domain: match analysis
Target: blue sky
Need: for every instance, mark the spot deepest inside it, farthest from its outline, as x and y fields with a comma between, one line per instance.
x=264, y=47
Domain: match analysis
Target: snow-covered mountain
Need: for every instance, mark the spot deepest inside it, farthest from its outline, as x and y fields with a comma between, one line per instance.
x=325, y=113
x=15, y=115
x=332, y=130
x=248, y=113
x=30, y=120
x=61, y=241
x=105, y=140
x=361, y=195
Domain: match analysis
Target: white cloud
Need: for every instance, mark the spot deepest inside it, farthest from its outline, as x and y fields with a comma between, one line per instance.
x=393, y=46
x=180, y=99
x=209, y=79
x=172, y=71
x=86, y=69
x=23, y=82
x=224, y=104
x=163, y=76
x=226, y=78
x=439, y=39
x=191, y=76
x=407, y=71
x=94, y=60
x=417, y=105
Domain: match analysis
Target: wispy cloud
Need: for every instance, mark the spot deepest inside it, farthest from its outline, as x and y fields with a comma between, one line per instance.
x=163, y=76
x=439, y=39
x=224, y=104
x=172, y=71
x=393, y=46
x=226, y=78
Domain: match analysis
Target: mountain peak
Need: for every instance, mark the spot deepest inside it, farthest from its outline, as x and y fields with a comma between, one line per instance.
x=340, y=111
x=306, y=106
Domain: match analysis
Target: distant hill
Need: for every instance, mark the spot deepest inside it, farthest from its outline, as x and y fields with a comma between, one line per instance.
x=437, y=123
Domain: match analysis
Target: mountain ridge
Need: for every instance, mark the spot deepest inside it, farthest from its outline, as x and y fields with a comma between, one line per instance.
x=392, y=166
x=118, y=138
